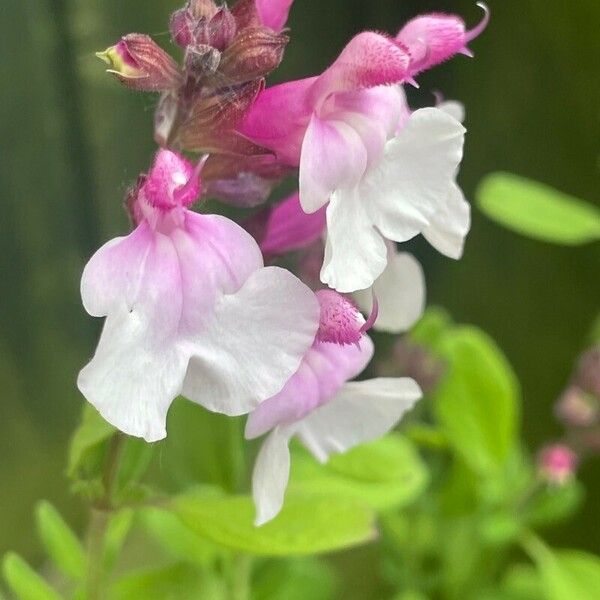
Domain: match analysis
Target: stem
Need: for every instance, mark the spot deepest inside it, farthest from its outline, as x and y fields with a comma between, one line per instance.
x=100, y=514
x=240, y=580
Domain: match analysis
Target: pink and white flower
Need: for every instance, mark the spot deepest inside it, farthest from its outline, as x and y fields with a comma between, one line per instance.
x=190, y=309
x=383, y=173
x=321, y=407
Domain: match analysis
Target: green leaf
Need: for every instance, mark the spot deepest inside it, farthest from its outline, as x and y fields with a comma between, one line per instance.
x=117, y=529
x=306, y=525
x=554, y=503
x=86, y=452
x=430, y=327
x=522, y=582
x=566, y=574
x=25, y=583
x=537, y=210
x=297, y=579
x=134, y=461
x=172, y=582
x=61, y=543
x=175, y=538
x=384, y=474
x=477, y=402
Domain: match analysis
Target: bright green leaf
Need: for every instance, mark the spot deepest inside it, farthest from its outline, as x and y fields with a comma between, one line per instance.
x=384, y=474
x=25, y=583
x=306, y=525
x=61, y=543
x=175, y=538
x=566, y=574
x=522, y=582
x=430, y=327
x=476, y=403
x=297, y=579
x=554, y=503
x=537, y=210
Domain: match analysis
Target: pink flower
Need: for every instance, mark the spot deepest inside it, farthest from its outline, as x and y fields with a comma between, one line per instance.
x=557, y=463
x=273, y=13
x=321, y=408
x=189, y=310
x=432, y=39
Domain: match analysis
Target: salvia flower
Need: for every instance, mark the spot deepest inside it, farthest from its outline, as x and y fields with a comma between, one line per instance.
x=141, y=64
x=557, y=463
x=189, y=310
x=326, y=412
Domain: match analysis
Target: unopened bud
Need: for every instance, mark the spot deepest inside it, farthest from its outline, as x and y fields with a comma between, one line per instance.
x=557, y=464
x=577, y=408
x=141, y=64
x=182, y=25
x=588, y=372
x=253, y=53
x=222, y=29
x=202, y=9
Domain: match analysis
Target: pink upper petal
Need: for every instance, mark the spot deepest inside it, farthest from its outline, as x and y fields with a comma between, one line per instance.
x=324, y=370
x=274, y=13
x=333, y=155
x=289, y=228
x=278, y=119
x=370, y=59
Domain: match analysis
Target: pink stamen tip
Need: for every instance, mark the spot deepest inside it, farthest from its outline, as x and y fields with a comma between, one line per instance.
x=466, y=52
x=340, y=322
x=478, y=29
x=373, y=316
x=188, y=193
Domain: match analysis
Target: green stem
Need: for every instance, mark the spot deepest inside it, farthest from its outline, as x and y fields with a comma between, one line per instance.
x=100, y=514
x=240, y=580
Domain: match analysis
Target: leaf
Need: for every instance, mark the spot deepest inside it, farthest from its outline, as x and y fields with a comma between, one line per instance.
x=61, y=543
x=537, y=210
x=117, y=529
x=555, y=503
x=566, y=574
x=134, y=461
x=306, y=525
x=476, y=403
x=430, y=327
x=24, y=581
x=175, y=538
x=522, y=582
x=85, y=453
x=384, y=474
x=296, y=579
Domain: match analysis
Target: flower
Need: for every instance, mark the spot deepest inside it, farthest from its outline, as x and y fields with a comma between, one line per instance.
x=189, y=310
x=557, y=463
x=319, y=406
x=384, y=173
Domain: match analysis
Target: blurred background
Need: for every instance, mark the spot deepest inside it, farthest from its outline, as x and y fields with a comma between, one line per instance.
x=73, y=139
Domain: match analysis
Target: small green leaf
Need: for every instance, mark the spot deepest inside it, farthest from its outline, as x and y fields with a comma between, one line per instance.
x=117, y=529
x=384, y=474
x=566, y=574
x=476, y=403
x=537, y=210
x=25, y=583
x=430, y=327
x=306, y=525
x=297, y=579
x=86, y=452
x=553, y=504
x=61, y=543
x=175, y=538
x=500, y=529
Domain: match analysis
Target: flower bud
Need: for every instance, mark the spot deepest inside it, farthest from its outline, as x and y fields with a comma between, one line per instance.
x=222, y=29
x=576, y=408
x=588, y=372
x=557, y=464
x=141, y=64
x=182, y=26
x=253, y=53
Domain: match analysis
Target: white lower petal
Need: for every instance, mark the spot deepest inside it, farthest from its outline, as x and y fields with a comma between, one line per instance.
x=253, y=344
x=362, y=411
x=400, y=292
x=271, y=474
x=449, y=226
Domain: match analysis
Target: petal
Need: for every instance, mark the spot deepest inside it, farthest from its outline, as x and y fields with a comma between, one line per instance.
x=253, y=344
x=400, y=291
x=453, y=108
x=415, y=175
x=355, y=252
x=289, y=228
x=270, y=475
x=138, y=368
x=324, y=370
x=274, y=13
x=278, y=119
x=333, y=155
x=361, y=412
x=368, y=60
x=449, y=226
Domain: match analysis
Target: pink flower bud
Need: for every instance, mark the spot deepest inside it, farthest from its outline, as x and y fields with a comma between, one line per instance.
x=141, y=64
x=254, y=53
x=432, y=39
x=576, y=408
x=557, y=464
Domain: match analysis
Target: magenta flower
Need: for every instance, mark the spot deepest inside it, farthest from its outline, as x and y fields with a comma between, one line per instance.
x=189, y=310
x=383, y=172
x=321, y=408
x=557, y=463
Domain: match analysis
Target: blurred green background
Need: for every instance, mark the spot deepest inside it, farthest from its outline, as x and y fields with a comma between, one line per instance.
x=73, y=139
